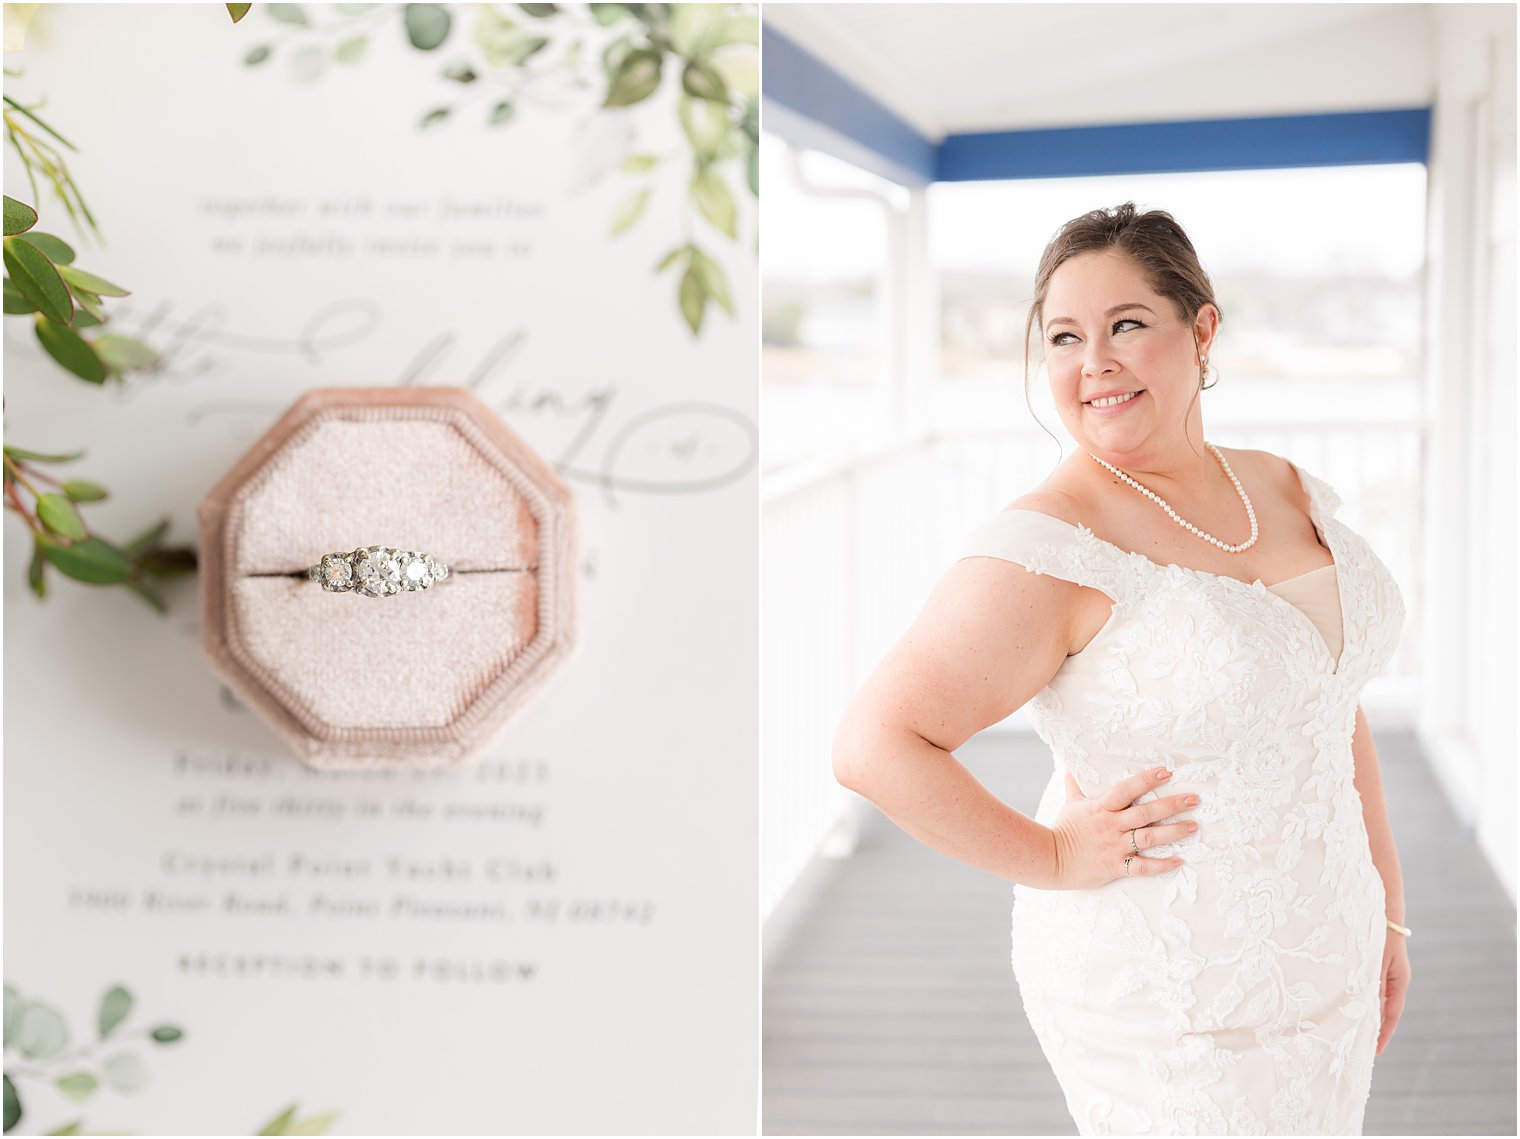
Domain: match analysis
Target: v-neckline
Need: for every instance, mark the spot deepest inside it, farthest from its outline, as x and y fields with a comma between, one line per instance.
x=1326, y=541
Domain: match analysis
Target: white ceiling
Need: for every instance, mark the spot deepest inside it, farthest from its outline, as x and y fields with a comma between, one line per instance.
x=954, y=68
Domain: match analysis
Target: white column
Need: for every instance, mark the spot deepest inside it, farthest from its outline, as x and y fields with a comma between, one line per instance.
x=920, y=342
x=1468, y=578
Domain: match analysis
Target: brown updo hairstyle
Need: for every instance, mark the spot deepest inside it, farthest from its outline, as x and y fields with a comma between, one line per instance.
x=1158, y=247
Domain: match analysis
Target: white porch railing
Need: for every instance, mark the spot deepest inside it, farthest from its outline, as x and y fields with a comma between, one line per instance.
x=852, y=548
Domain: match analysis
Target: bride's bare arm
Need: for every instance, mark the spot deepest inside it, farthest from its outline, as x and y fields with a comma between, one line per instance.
x=991, y=635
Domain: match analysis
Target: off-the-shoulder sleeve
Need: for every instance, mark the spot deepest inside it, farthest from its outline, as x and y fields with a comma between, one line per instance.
x=1045, y=544
x=1320, y=493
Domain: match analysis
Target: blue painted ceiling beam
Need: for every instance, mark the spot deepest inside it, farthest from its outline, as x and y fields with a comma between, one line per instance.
x=821, y=109
x=810, y=104
x=1269, y=142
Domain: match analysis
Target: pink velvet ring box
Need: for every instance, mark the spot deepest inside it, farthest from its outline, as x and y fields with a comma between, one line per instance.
x=422, y=678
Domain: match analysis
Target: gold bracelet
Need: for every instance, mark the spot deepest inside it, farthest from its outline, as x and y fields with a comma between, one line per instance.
x=1404, y=929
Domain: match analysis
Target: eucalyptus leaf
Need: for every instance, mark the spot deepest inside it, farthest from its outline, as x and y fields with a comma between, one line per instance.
x=503, y=112
x=307, y=63
x=714, y=282
x=637, y=163
x=57, y=513
x=115, y=1007
x=313, y=1124
x=78, y=1086
x=539, y=11
x=58, y=251
x=287, y=13
x=629, y=211
x=460, y=73
x=436, y=115
x=614, y=54
x=238, y=11
x=72, y=1128
x=738, y=28
x=82, y=490
x=13, y=1005
x=90, y=304
x=608, y=14
x=67, y=347
x=38, y=280
x=705, y=123
x=97, y=285
x=148, y=595
x=123, y=354
x=427, y=25
x=637, y=78
x=694, y=28
x=12, y=1105
x=736, y=144
x=351, y=50
x=740, y=69
x=277, y=1125
x=711, y=194
x=494, y=34
x=19, y=217
x=124, y=1071
x=34, y=570
x=166, y=1034
x=257, y=56
x=703, y=82
x=15, y=303
x=752, y=170
x=42, y=1033
x=523, y=49
x=42, y=456
x=147, y=539
x=83, y=320
x=693, y=299
x=92, y=560
x=672, y=257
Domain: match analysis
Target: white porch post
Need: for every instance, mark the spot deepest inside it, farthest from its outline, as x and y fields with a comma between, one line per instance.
x=920, y=328
x=1468, y=572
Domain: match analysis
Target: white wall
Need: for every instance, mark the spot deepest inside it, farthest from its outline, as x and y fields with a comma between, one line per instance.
x=1468, y=717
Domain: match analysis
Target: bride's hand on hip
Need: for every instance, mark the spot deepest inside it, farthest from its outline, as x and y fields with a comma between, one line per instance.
x=1093, y=836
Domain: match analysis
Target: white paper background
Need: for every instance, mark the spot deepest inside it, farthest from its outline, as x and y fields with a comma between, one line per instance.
x=638, y=761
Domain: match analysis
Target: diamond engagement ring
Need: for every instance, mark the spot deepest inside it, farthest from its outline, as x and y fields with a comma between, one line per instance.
x=377, y=571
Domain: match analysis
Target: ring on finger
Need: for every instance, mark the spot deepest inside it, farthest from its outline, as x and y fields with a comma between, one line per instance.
x=1133, y=843
x=1127, y=859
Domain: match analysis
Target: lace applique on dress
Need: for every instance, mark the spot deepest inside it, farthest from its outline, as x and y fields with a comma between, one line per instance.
x=1237, y=995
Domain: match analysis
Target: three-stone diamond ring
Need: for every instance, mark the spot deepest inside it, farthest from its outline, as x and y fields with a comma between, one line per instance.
x=377, y=571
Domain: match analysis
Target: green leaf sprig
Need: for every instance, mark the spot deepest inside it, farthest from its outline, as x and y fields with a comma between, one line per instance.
x=712, y=50
x=42, y=280
x=61, y=539
x=36, y=1035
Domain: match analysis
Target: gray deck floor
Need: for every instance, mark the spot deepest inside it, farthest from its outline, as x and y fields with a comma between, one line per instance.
x=890, y=1008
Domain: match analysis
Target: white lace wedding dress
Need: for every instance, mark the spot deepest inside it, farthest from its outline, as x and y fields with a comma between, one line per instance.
x=1238, y=994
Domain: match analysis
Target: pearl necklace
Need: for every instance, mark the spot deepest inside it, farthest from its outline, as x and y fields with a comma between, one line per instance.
x=1183, y=522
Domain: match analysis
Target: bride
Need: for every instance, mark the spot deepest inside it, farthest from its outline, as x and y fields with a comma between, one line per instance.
x=1208, y=907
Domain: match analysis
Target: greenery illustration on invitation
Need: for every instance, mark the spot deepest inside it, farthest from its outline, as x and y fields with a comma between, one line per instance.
x=37, y=1039
x=608, y=56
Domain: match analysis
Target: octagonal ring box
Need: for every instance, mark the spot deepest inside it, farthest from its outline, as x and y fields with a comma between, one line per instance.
x=421, y=678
